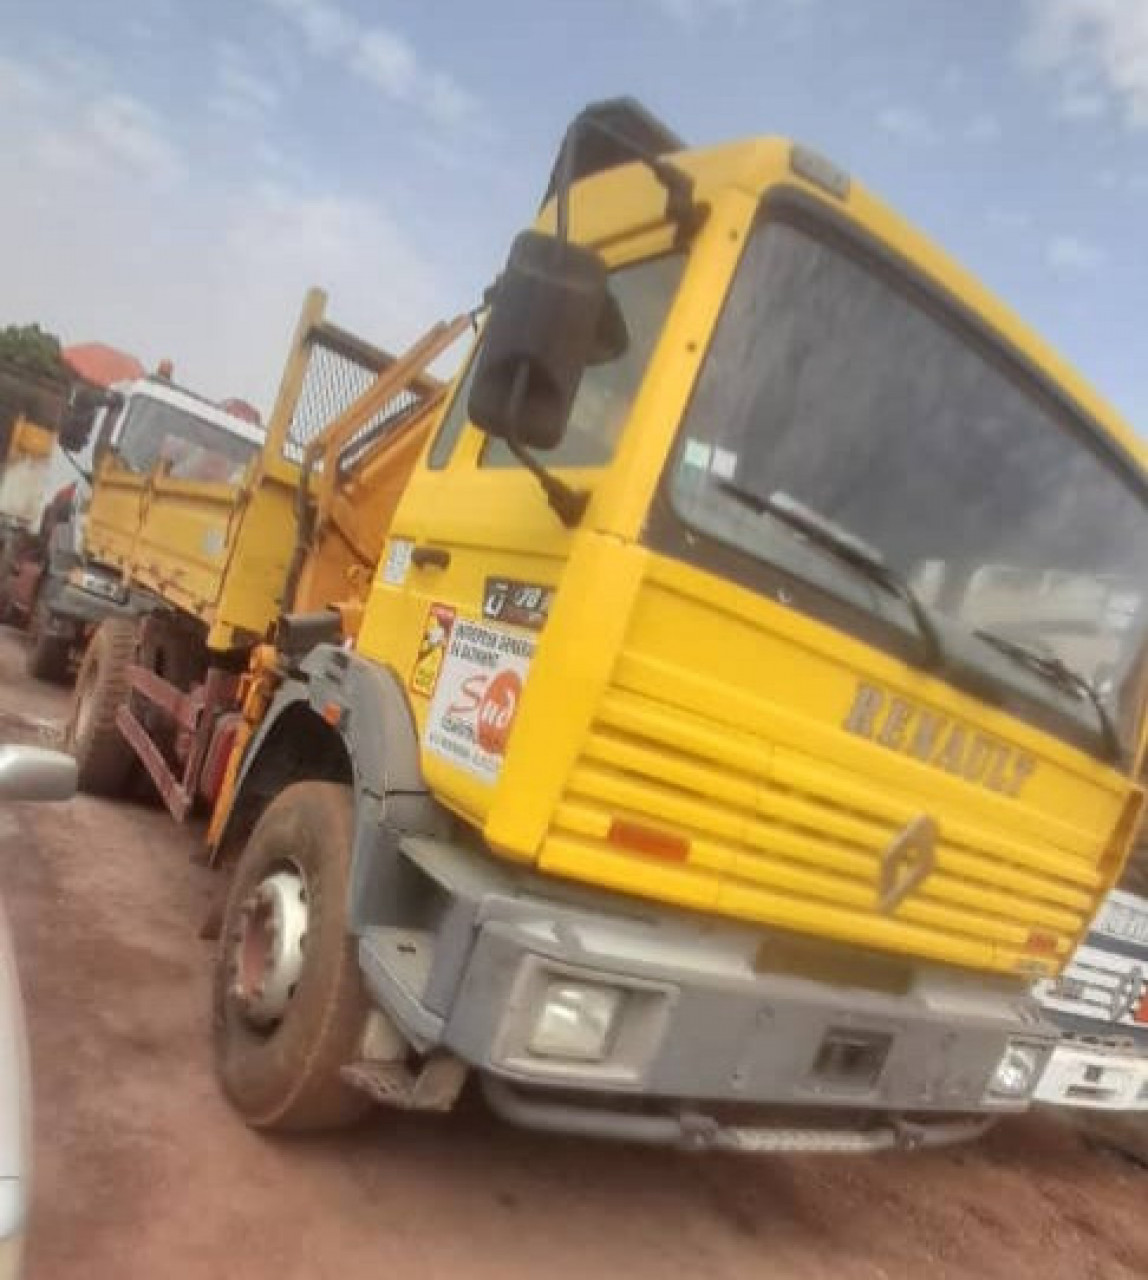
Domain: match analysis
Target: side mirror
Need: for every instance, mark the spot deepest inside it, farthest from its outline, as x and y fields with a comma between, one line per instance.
x=544, y=329
x=34, y=773
x=80, y=417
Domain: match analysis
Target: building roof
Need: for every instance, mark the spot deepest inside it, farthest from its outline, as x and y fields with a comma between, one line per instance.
x=101, y=365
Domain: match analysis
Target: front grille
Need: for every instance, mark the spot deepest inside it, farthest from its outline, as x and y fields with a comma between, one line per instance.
x=781, y=837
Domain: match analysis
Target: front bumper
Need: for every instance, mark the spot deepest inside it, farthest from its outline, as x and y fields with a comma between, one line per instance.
x=72, y=606
x=698, y=1019
x=1095, y=1076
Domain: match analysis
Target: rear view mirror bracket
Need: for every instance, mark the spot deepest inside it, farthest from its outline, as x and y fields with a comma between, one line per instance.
x=568, y=504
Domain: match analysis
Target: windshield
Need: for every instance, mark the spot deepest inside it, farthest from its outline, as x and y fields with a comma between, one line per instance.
x=829, y=385
x=191, y=447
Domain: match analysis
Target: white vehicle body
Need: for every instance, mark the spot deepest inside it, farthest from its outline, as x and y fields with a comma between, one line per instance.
x=15, y=1110
x=127, y=421
x=1100, y=1002
x=26, y=773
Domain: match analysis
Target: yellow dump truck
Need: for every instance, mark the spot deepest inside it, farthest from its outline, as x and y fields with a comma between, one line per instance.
x=203, y=529
x=678, y=779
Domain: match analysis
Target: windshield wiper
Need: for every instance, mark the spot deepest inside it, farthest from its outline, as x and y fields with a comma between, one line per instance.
x=1062, y=675
x=848, y=548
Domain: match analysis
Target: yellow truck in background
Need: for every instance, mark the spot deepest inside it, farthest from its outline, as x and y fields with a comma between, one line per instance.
x=31, y=405
x=678, y=778
x=203, y=529
x=23, y=468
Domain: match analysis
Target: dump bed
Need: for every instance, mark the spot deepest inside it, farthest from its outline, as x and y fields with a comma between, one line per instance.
x=229, y=537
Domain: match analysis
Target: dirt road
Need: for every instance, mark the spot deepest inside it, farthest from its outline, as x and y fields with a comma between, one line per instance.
x=141, y=1171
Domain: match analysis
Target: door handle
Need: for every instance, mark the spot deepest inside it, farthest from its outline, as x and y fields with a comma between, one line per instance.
x=430, y=557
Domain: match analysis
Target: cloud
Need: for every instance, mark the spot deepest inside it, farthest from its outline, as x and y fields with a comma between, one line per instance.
x=130, y=134
x=23, y=86
x=209, y=272
x=85, y=130
x=696, y=13
x=241, y=93
x=386, y=60
x=1098, y=50
x=908, y=125
x=326, y=29
x=1071, y=255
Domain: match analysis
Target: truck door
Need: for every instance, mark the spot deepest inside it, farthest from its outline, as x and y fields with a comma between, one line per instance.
x=475, y=553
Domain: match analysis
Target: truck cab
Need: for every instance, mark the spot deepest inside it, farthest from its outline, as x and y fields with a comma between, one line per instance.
x=136, y=431
x=679, y=762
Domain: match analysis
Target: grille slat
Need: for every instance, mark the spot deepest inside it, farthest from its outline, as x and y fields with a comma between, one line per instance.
x=686, y=886
x=762, y=840
x=839, y=796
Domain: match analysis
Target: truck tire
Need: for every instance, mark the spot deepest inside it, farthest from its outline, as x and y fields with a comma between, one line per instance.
x=105, y=759
x=289, y=1005
x=46, y=657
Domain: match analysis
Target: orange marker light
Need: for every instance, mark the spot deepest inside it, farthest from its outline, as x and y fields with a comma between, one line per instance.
x=648, y=840
x=1041, y=942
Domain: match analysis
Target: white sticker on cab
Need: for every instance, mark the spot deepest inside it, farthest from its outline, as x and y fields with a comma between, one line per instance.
x=697, y=454
x=476, y=699
x=397, y=561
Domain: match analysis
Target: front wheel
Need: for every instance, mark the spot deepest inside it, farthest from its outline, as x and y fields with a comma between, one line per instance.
x=104, y=757
x=289, y=1006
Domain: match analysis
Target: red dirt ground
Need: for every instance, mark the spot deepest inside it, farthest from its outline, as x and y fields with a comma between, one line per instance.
x=143, y=1172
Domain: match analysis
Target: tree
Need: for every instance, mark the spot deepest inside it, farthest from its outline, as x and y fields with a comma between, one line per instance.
x=32, y=350
x=33, y=376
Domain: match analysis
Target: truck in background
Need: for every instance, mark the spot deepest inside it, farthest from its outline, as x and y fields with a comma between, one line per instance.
x=647, y=785
x=31, y=404
x=210, y=537
x=44, y=483
x=1100, y=1003
x=149, y=421
x=1100, y=999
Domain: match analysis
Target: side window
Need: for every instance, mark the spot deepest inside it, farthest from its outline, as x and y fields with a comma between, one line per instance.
x=138, y=445
x=644, y=292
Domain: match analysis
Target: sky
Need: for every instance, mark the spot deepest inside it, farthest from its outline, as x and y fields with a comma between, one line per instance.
x=175, y=173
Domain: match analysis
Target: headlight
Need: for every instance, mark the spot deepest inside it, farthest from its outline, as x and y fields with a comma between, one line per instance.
x=1016, y=1073
x=575, y=1021
x=98, y=585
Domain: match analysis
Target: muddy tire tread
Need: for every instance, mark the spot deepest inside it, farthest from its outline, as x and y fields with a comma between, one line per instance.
x=296, y=1086
x=105, y=759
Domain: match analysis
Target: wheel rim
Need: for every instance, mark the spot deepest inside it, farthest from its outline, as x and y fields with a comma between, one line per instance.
x=266, y=947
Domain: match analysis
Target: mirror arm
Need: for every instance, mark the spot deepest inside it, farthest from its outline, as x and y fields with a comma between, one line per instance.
x=568, y=504
x=679, y=186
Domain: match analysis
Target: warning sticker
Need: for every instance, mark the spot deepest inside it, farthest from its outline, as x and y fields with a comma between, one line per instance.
x=476, y=701
x=432, y=649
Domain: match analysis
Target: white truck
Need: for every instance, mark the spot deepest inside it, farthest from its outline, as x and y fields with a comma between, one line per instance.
x=1100, y=999
x=1100, y=1003
x=151, y=425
